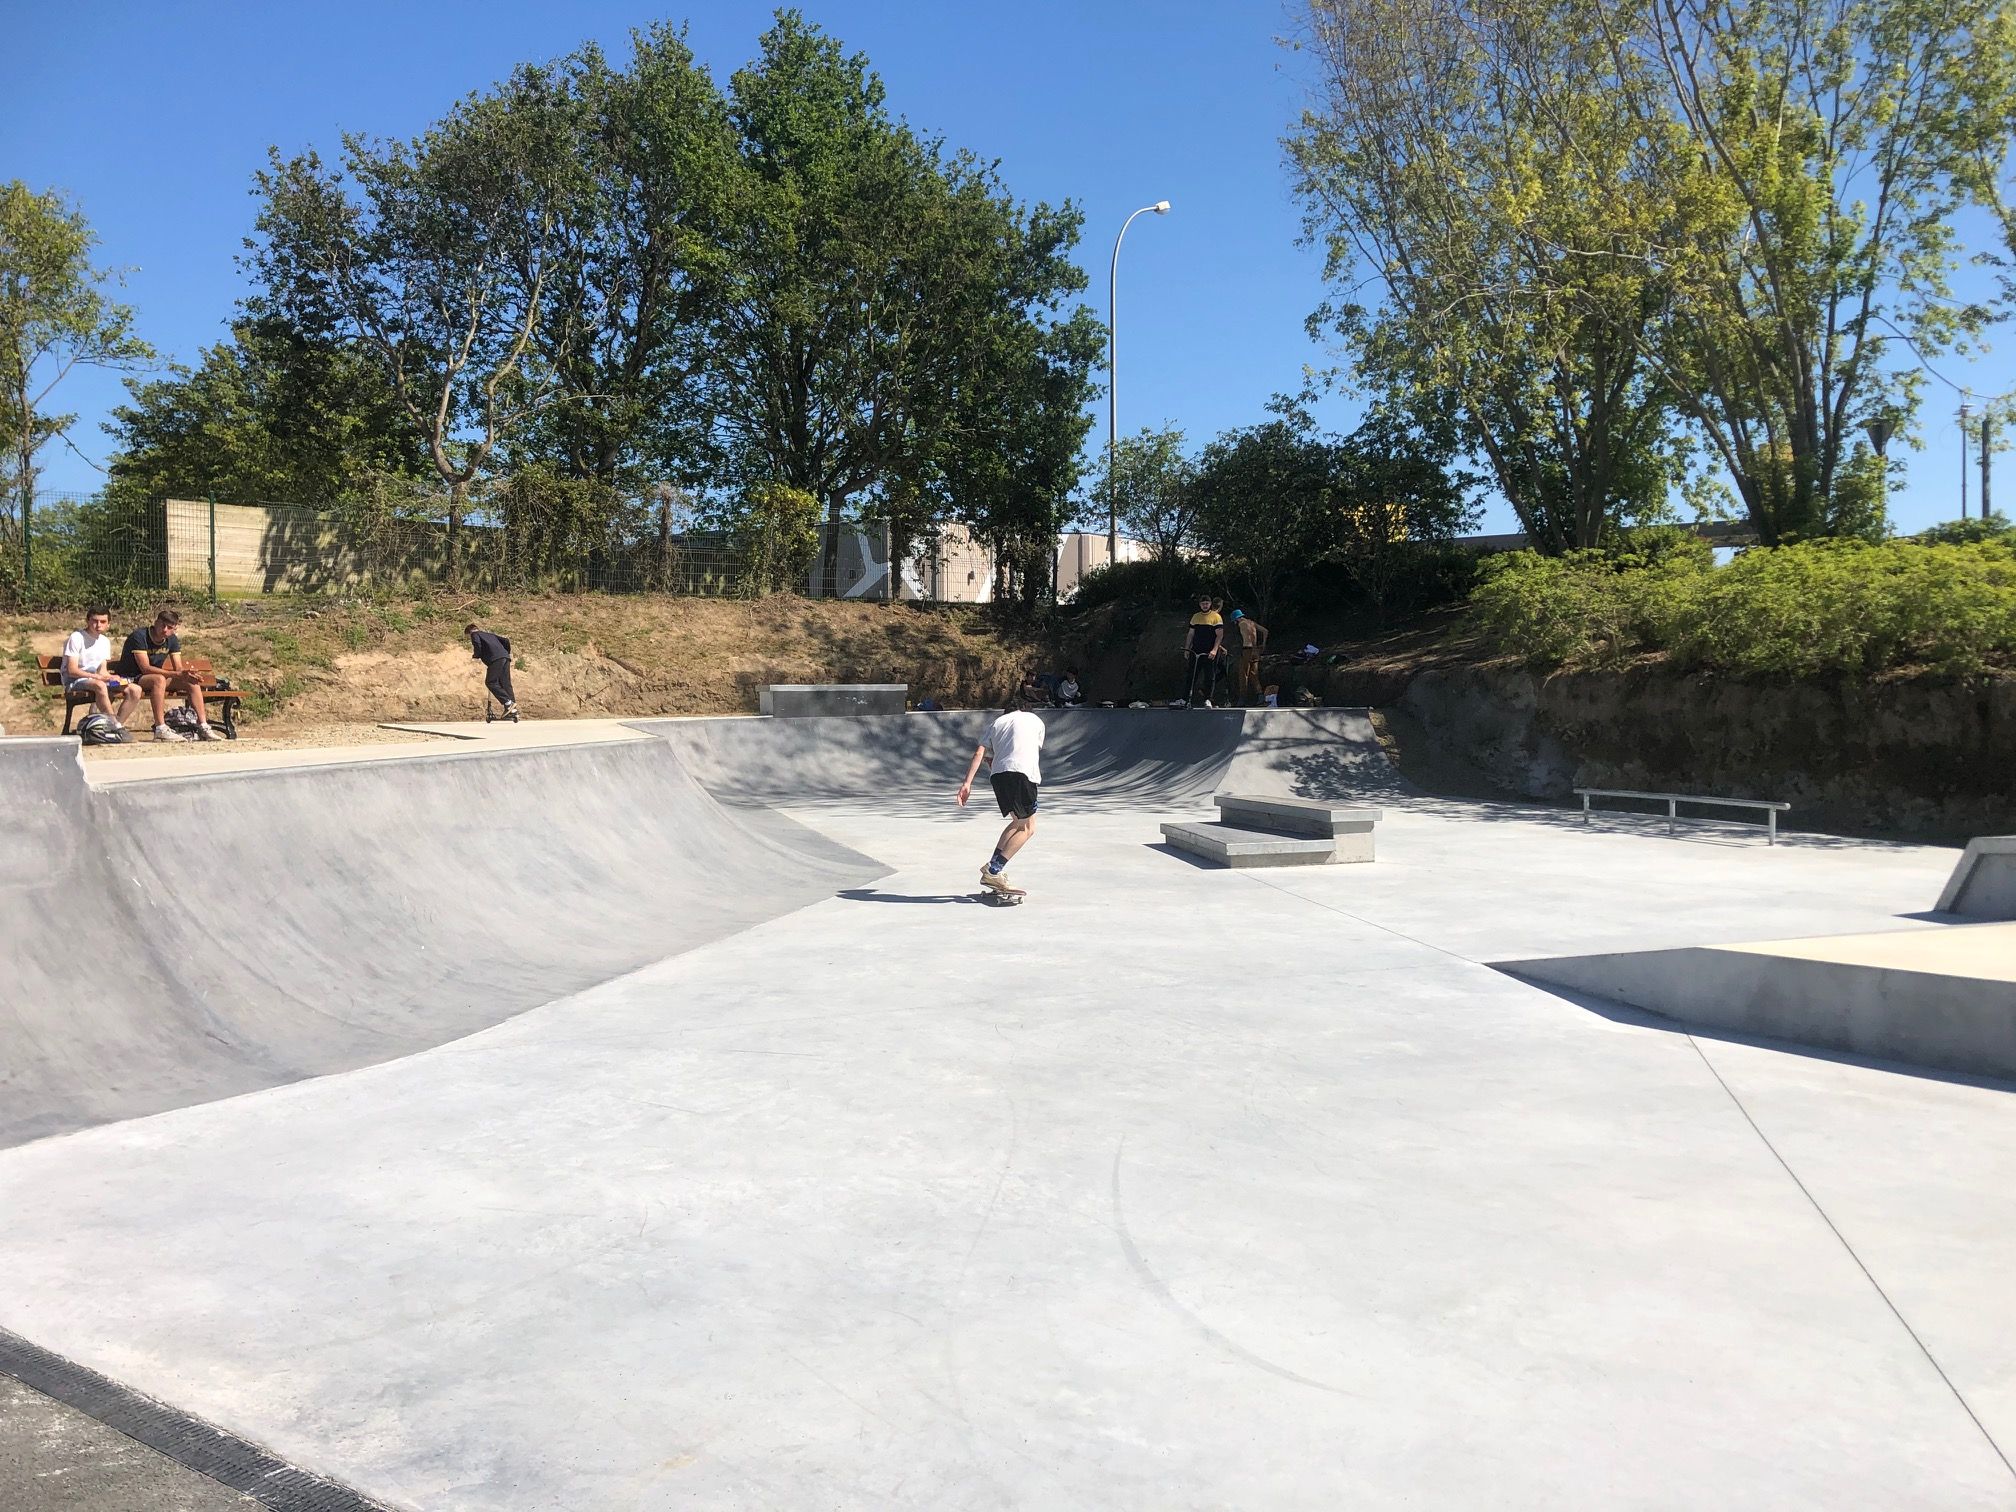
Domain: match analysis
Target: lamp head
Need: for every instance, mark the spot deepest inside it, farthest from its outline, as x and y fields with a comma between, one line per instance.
x=1161, y=207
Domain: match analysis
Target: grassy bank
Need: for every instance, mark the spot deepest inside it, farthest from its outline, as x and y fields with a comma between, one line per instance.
x=308, y=663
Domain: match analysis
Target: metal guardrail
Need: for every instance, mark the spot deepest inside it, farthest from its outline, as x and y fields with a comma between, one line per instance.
x=1674, y=800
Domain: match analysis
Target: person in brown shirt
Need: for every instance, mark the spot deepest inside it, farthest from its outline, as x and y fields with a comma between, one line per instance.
x=1252, y=640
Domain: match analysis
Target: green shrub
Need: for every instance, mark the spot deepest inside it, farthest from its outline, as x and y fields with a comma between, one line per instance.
x=1161, y=585
x=777, y=529
x=1965, y=532
x=1812, y=608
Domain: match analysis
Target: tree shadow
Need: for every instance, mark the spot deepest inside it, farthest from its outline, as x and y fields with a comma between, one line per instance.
x=1188, y=858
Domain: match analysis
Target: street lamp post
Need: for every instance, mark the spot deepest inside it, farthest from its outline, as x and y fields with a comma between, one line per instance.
x=1160, y=207
x=1966, y=409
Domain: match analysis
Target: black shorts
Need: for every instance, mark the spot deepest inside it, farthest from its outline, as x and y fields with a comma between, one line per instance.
x=1015, y=793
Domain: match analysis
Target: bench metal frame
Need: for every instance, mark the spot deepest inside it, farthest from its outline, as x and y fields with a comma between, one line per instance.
x=1674, y=800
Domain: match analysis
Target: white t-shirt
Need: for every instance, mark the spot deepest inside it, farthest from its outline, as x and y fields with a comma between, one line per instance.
x=1015, y=743
x=91, y=652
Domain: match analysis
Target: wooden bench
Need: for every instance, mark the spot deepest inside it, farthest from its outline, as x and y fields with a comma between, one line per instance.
x=223, y=700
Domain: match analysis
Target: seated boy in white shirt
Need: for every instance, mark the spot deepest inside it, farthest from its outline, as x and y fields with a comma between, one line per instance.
x=86, y=655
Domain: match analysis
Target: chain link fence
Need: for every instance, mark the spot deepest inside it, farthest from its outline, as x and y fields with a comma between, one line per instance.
x=85, y=546
x=73, y=548
x=80, y=546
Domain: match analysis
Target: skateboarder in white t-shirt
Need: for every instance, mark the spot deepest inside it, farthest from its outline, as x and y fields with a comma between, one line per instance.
x=1013, y=746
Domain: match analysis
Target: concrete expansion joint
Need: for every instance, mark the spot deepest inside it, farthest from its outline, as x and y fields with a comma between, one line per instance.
x=1398, y=934
x=1854, y=1255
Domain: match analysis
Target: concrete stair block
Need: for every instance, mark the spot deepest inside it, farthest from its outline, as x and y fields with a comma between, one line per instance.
x=1233, y=845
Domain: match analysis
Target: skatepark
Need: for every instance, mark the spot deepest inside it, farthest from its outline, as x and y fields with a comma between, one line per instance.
x=648, y=1115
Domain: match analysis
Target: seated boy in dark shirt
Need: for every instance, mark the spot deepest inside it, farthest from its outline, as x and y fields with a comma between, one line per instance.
x=152, y=657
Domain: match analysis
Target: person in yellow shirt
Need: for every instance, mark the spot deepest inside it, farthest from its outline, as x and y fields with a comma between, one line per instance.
x=1252, y=640
x=1203, y=644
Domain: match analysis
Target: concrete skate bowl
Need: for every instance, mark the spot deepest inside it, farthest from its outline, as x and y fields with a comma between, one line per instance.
x=171, y=942
x=1092, y=758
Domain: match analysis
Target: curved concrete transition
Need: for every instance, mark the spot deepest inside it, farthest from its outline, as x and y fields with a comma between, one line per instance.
x=1178, y=1188
x=1094, y=758
x=169, y=942
x=176, y=941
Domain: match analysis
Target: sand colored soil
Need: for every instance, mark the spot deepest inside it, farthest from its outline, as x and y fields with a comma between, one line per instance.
x=325, y=673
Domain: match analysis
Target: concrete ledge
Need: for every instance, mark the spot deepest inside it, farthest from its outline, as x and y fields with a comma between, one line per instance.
x=1983, y=884
x=815, y=700
x=1302, y=816
x=1230, y=845
x=1943, y=997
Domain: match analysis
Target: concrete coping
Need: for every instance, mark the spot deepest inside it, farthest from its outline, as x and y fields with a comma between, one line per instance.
x=1261, y=803
x=836, y=687
x=804, y=700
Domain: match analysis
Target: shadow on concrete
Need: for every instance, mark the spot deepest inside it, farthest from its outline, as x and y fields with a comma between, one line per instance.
x=1638, y=1018
x=869, y=895
x=1188, y=858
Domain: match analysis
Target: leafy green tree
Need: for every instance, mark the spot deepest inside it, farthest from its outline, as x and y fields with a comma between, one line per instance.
x=1009, y=451
x=1816, y=155
x=55, y=317
x=872, y=288
x=446, y=259
x=268, y=416
x=776, y=528
x=1153, y=486
x=1263, y=502
x=625, y=326
x=1396, y=501
x=1474, y=165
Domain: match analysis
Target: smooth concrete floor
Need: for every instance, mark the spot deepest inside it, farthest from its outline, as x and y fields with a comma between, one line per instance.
x=1174, y=1188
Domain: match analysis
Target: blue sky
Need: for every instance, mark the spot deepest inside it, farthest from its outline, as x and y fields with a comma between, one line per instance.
x=154, y=117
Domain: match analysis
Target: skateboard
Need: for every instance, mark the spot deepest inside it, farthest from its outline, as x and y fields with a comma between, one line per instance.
x=1009, y=899
x=492, y=714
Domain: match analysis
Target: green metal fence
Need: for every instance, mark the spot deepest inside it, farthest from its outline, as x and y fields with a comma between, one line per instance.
x=83, y=546
x=75, y=546
x=79, y=545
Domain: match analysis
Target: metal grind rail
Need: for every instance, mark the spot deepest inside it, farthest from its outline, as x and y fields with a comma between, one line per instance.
x=1674, y=800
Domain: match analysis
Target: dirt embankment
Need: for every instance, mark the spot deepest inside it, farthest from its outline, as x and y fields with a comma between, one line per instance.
x=1906, y=757
x=1909, y=757
x=310, y=665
